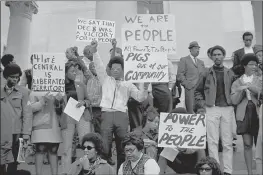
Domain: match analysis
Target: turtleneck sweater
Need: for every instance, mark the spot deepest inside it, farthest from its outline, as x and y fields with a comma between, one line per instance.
x=220, y=88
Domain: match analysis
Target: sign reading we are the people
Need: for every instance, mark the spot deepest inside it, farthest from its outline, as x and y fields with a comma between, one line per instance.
x=182, y=130
x=92, y=29
x=146, y=41
x=48, y=73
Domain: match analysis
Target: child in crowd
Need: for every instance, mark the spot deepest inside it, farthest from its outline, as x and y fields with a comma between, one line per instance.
x=149, y=131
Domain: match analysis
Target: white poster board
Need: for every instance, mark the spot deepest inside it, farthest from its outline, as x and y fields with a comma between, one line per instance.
x=48, y=73
x=182, y=130
x=92, y=29
x=146, y=41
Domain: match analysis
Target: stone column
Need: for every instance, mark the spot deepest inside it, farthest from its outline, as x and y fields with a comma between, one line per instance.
x=18, y=40
x=114, y=11
x=257, y=12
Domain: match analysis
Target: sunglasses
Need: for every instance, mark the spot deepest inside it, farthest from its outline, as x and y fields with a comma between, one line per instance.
x=205, y=169
x=87, y=147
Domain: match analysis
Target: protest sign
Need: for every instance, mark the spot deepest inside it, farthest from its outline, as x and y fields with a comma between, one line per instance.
x=182, y=130
x=92, y=29
x=48, y=73
x=146, y=41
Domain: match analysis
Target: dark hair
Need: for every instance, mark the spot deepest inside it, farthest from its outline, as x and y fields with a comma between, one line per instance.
x=218, y=48
x=247, y=34
x=69, y=64
x=116, y=60
x=146, y=117
x=96, y=139
x=212, y=163
x=247, y=58
x=7, y=59
x=133, y=138
x=12, y=69
x=209, y=50
x=22, y=172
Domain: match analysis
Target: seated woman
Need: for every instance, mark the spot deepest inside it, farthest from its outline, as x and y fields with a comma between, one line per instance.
x=208, y=166
x=186, y=159
x=136, y=161
x=149, y=131
x=91, y=163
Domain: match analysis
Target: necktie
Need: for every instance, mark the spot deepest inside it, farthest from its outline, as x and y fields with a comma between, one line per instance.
x=195, y=60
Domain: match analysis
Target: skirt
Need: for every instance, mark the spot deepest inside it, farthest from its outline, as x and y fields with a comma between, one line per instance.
x=250, y=123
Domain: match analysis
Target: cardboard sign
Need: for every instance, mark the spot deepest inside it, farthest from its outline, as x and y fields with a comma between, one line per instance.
x=182, y=130
x=146, y=41
x=92, y=29
x=48, y=73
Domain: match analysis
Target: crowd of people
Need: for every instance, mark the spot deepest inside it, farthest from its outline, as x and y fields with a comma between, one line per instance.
x=129, y=113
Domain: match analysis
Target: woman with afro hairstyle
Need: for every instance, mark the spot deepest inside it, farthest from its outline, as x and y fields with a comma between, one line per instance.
x=208, y=166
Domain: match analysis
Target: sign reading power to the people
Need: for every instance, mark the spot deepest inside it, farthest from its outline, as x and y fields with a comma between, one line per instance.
x=146, y=41
x=182, y=130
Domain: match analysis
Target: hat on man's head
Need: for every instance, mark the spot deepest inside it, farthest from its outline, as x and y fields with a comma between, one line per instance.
x=193, y=44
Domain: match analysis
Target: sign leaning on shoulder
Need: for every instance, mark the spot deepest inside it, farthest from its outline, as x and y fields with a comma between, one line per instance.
x=92, y=29
x=146, y=41
x=182, y=130
x=48, y=73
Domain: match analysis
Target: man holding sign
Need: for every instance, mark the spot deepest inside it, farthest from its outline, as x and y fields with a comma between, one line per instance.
x=115, y=95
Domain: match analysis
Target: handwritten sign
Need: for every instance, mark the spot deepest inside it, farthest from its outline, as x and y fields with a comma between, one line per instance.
x=92, y=29
x=146, y=41
x=182, y=130
x=48, y=73
x=149, y=33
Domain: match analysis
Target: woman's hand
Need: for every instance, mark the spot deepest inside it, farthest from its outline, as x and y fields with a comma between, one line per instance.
x=81, y=103
x=84, y=161
x=148, y=143
x=59, y=96
x=46, y=98
x=241, y=88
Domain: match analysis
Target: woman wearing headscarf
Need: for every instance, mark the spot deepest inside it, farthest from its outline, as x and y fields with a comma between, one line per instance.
x=245, y=93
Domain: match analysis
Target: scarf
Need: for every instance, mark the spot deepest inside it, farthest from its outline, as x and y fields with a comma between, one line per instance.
x=93, y=167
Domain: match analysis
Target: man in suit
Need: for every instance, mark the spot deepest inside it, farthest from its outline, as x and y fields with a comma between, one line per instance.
x=189, y=70
x=237, y=68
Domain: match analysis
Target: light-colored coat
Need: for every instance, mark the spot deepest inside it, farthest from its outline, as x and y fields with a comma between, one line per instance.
x=239, y=98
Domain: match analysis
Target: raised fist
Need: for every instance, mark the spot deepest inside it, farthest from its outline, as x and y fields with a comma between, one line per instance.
x=114, y=42
x=94, y=45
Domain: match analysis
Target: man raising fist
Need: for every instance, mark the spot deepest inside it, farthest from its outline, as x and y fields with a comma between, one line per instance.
x=115, y=95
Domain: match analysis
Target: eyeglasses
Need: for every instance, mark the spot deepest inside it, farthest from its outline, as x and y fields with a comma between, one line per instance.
x=87, y=147
x=252, y=65
x=205, y=169
x=129, y=150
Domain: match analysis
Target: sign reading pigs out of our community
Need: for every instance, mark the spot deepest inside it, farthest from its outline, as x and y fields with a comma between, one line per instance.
x=182, y=130
x=146, y=41
x=48, y=73
x=92, y=29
